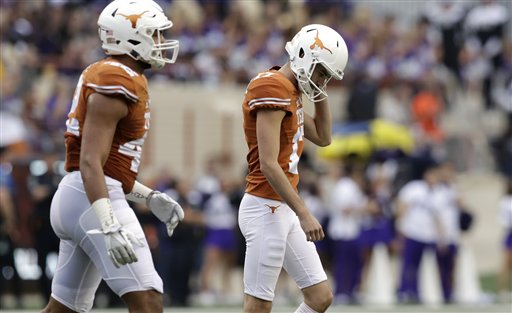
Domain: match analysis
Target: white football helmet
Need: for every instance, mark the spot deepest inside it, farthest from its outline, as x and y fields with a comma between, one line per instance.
x=128, y=27
x=316, y=44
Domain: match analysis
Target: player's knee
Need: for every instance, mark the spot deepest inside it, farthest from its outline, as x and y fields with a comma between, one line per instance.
x=155, y=300
x=255, y=305
x=144, y=302
x=323, y=302
x=327, y=301
x=320, y=300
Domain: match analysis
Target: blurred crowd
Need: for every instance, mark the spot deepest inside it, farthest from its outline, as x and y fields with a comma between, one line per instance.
x=423, y=62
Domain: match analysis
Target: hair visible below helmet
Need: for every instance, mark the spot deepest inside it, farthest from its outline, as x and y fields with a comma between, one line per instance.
x=134, y=27
x=316, y=44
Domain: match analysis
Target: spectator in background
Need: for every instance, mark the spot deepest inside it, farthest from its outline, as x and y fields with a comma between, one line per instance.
x=219, y=245
x=13, y=146
x=427, y=107
x=505, y=218
x=413, y=56
x=55, y=109
x=10, y=281
x=346, y=208
x=485, y=28
x=13, y=137
x=446, y=208
x=208, y=183
x=416, y=226
x=179, y=256
x=502, y=147
x=377, y=224
x=448, y=16
x=43, y=185
x=362, y=101
x=502, y=90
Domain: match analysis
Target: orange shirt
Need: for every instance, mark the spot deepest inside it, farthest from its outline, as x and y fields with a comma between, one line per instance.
x=272, y=90
x=110, y=77
x=426, y=109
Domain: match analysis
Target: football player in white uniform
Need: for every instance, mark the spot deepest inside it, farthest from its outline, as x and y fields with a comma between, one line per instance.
x=100, y=236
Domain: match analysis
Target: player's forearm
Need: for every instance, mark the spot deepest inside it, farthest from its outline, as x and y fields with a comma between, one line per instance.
x=279, y=182
x=323, y=121
x=318, y=129
x=93, y=178
x=95, y=187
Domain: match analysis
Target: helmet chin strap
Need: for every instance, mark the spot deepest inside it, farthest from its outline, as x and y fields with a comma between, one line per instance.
x=135, y=55
x=144, y=65
x=308, y=87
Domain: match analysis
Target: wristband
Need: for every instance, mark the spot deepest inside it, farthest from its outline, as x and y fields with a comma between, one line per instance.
x=103, y=209
x=140, y=193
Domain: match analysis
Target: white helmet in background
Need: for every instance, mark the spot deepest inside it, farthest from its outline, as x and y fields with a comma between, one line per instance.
x=316, y=44
x=128, y=27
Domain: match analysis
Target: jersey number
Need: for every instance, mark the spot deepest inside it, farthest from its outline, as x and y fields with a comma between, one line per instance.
x=299, y=136
x=134, y=148
x=260, y=75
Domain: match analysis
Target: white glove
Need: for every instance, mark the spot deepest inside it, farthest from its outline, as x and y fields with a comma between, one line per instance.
x=166, y=209
x=119, y=246
x=118, y=240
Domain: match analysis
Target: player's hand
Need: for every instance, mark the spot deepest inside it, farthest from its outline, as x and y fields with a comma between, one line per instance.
x=166, y=209
x=311, y=227
x=119, y=246
x=118, y=242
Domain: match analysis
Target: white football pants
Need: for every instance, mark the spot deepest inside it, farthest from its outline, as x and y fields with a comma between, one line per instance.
x=275, y=240
x=83, y=259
